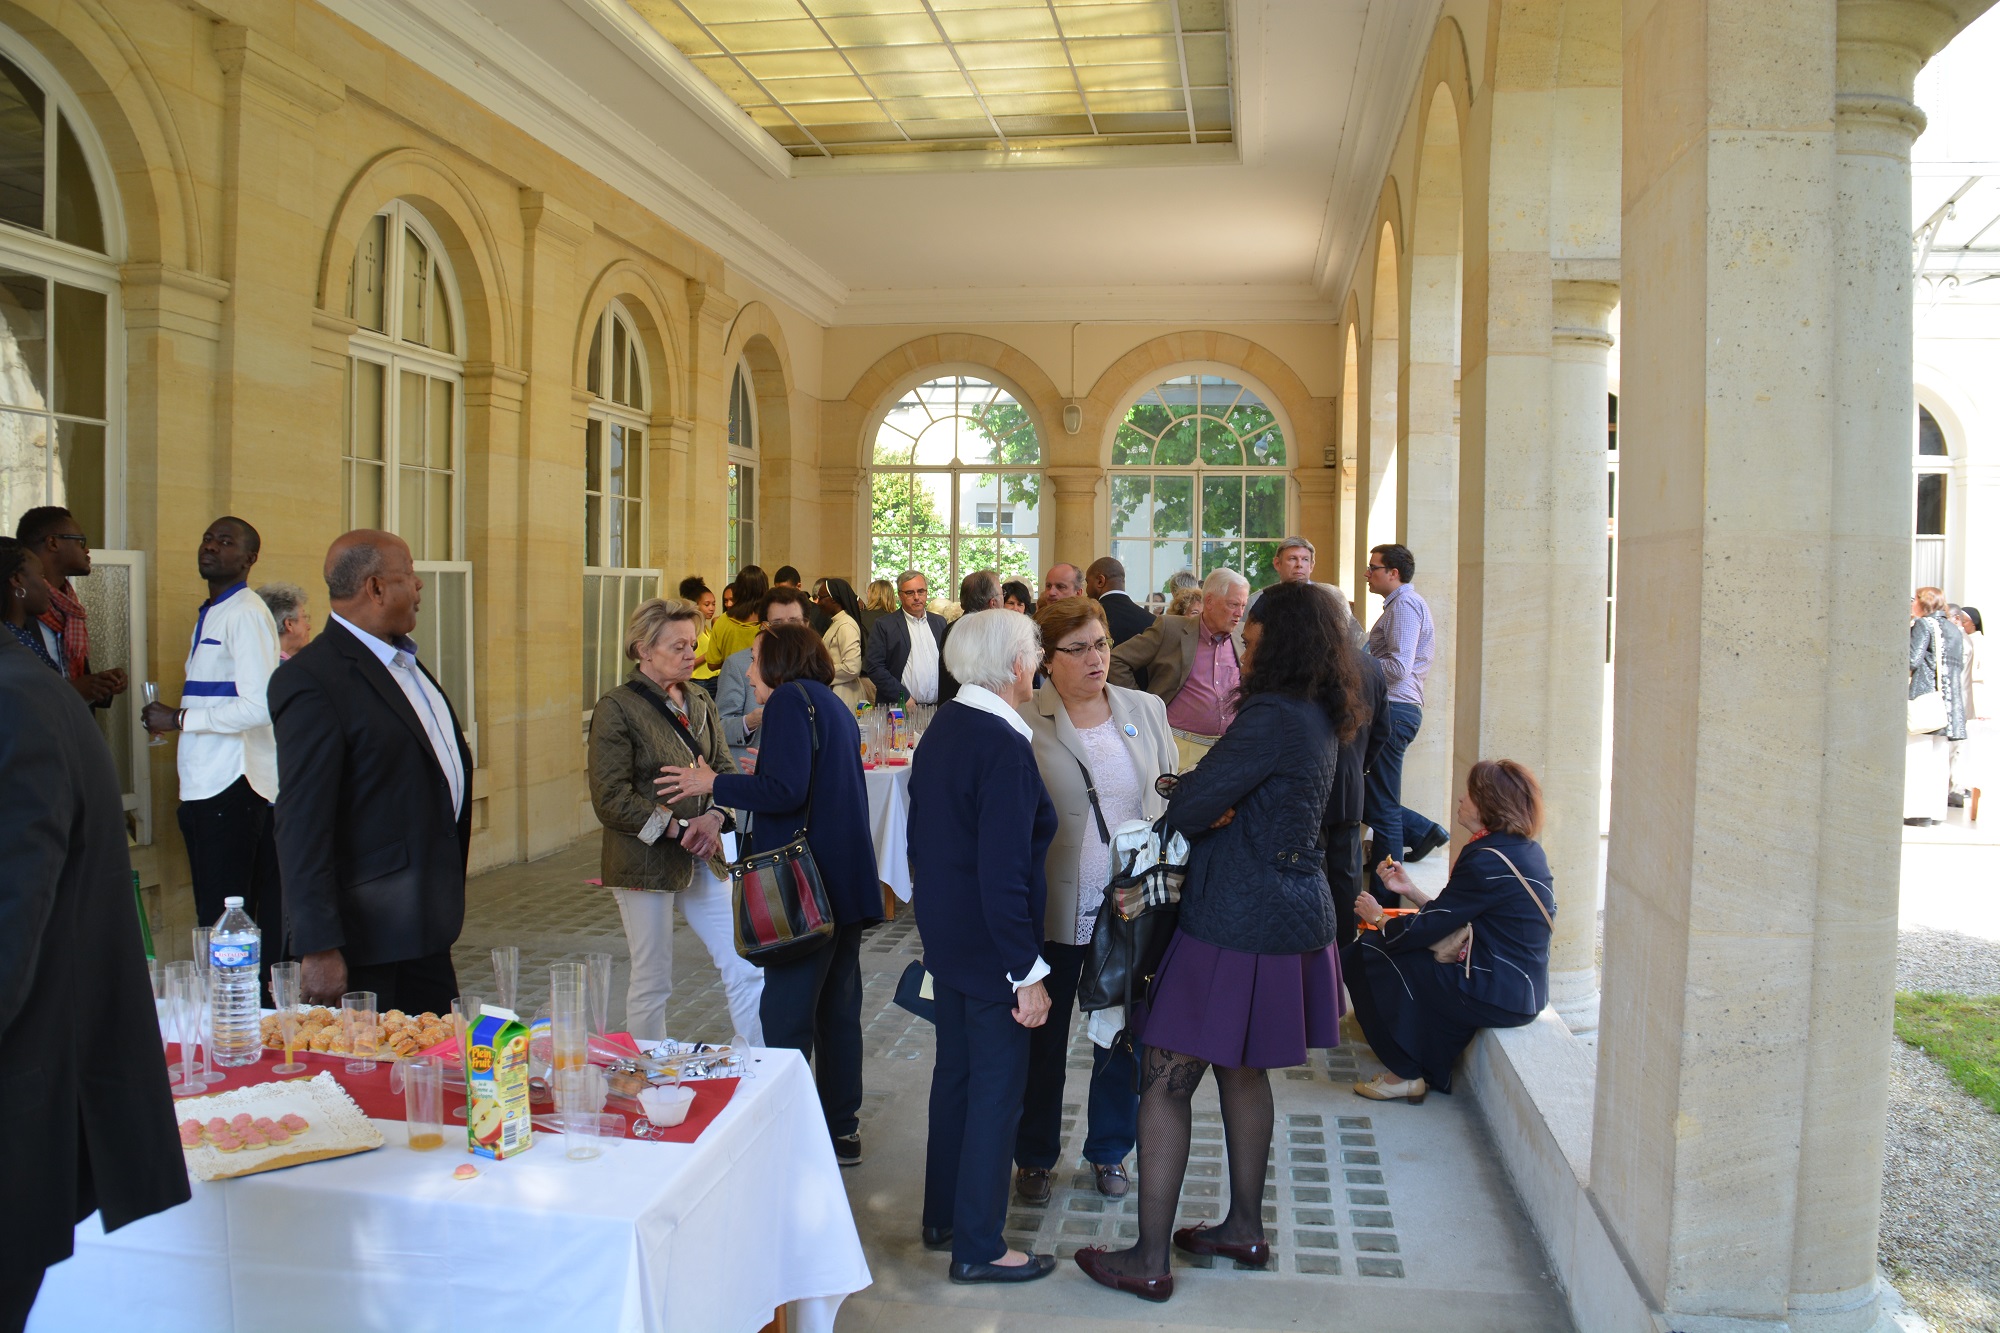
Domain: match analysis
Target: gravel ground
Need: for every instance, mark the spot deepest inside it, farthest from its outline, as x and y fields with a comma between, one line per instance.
x=1939, y=1244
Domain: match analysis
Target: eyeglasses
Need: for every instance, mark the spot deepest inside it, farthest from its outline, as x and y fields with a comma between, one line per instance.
x=76, y=537
x=1077, y=651
x=1378, y=569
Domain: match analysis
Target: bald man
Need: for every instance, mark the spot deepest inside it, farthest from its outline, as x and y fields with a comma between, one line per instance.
x=1062, y=581
x=1105, y=580
x=374, y=792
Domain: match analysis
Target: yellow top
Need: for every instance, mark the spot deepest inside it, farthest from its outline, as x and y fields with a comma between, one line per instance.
x=702, y=670
x=729, y=635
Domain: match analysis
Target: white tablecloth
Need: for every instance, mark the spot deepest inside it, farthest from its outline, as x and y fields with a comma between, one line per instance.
x=708, y=1237
x=889, y=824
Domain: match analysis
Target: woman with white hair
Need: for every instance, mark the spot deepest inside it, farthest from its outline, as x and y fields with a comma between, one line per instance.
x=980, y=827
x=288, y=607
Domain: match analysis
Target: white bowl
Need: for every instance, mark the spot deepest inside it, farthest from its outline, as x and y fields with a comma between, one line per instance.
x=666, y=1107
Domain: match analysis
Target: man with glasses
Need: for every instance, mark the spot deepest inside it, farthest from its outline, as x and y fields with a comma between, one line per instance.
x=1401, y=639
x=1192, y=664
x=53, y=533
x=905, y=652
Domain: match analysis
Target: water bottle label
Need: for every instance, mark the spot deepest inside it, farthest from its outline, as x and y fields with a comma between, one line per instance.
x=229, y=955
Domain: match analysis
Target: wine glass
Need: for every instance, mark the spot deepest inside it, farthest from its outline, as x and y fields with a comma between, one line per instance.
x=152, y=692
x=285, y=997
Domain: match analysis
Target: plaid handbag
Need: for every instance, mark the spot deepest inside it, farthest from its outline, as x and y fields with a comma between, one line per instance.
x=781, y=908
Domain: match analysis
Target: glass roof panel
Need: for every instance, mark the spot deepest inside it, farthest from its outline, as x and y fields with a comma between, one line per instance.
x=827, y=78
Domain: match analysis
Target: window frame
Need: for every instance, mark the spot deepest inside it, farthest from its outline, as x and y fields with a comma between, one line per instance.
x=742, y=464
x=1931, y=552
x=607, y=586
x=1196, y=470
x=958, y=529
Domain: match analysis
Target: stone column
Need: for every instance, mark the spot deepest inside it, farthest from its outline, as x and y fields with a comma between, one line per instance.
x=1071, y=533
x=1572, y=677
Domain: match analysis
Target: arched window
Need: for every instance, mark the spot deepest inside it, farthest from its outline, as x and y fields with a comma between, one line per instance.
x=1199, y=461
x=956, y=485
x=1933, y=466
x=615, y=579
x=404, y=458
x=742, y=547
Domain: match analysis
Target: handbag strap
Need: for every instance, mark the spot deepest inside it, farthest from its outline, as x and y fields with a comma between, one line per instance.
x=680, y=729
x=1103, y=830
x=1533, y=896
x=812, y=765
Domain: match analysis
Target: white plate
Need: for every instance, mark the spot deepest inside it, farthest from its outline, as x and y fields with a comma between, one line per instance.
x=336, y=1127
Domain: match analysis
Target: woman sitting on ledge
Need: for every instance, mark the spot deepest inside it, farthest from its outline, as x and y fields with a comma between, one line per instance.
x=1418, y=998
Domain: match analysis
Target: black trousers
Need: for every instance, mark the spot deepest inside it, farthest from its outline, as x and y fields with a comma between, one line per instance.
x=414, y=985
x=1114, y=1078
x=1346, y=876
x=1410, y=1008
x=233, y=853
x=982, y=1070
x=813, y=1006
x=18, y=1288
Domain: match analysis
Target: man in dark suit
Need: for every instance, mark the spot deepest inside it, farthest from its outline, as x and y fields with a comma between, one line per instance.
x=902, y=666
x=374, y=792
x=1105, y=580
x=90, y=1123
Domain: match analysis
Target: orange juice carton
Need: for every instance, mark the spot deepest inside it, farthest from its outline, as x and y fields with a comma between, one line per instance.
x=498, y=1122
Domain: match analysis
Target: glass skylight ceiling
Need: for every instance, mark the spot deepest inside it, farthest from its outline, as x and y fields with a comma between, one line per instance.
x=844, y=78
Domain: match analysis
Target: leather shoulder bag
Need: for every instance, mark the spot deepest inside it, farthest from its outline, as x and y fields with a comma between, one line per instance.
x=1456, y=948
x=780, y=905
x=1141, y=910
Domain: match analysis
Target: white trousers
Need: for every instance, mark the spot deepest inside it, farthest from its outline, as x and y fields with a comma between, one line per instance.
x=1926, y=776
x=649, y=933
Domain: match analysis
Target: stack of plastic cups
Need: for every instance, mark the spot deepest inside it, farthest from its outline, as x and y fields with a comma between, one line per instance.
x=569, y=1012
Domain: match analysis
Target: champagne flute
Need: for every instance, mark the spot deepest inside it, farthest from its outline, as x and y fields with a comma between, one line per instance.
x=184, y=1014
x=152, y=691
x=507, y=975
x=204, y=973
x=285, y=996
x=597, y=983
x=464, y=1017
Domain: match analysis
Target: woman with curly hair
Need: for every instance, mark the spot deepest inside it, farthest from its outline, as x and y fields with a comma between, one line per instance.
x=1250, y=982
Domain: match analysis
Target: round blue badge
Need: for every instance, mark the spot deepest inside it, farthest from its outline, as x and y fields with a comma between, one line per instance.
x=1131, y=730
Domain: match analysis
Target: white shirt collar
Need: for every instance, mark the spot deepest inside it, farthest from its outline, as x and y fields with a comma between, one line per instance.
x=923, y=619
x=382, y=648
x=986, y=701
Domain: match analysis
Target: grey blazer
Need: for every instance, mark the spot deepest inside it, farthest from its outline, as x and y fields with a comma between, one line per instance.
x=1165, y=652
x=1059, y=753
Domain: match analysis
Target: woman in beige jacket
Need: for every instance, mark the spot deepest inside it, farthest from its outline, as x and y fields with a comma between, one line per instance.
x=1083, y=724
x=837, y=602
x=655, y=853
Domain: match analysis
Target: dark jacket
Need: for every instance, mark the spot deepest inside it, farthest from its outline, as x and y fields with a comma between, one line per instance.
x=372, y=852
x=90, y=1123
x=1358, y=755
x=1127, y=617
x=776, y=795
x=630, y=741
x=1510, y=940
x=980, y=827
x=888, y=652
x=1259, y=884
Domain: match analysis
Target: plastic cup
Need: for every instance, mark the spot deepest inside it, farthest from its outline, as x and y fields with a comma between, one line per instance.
x=465, y=1011
x=358, y=1025
x=185, y=994
x=507, y=976
x=285, y=999
x=597, y=990
x=423, y=1102
x=568, y=1030
x=580, y=1089
x=584, y=1133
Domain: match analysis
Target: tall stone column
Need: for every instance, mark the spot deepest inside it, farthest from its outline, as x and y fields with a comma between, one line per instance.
x=1071, y=532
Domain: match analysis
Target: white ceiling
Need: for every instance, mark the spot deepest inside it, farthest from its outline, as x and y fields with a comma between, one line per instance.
x=1263, y=229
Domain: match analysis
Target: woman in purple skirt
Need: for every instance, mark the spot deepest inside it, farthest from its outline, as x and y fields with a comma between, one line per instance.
x=1251, y=981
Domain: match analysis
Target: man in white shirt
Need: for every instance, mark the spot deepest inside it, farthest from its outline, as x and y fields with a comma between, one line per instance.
x=903, y=655
x=228, y=760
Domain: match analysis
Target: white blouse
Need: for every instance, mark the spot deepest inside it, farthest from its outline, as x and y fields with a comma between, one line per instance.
x=1122, y=798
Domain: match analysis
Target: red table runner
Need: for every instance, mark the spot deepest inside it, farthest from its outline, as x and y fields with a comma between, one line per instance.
x=370, y=1091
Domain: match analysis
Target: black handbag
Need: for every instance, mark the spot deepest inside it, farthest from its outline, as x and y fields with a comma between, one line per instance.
x=1140, y=912
x=780, y=904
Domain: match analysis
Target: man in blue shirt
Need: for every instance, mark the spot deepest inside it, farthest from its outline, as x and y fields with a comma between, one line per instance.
x=1403, y=640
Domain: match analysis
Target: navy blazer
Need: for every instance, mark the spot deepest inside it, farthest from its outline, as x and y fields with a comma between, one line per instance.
x=888, y=652
x=1128, y=618
x=980, y=827
x=776, y=794
x=1510, y=940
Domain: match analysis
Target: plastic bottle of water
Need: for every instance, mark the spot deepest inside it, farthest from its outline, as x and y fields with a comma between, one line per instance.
x=232, y=953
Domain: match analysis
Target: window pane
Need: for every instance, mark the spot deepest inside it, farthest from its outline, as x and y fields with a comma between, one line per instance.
x=636, y=381
x=24, y=465
x=1260, y=563
x=593, y=530
x=437, y=435
x=410, y=510
x=635, y=463
x=940, y=442
x=614, y=458
x=1018, y=560
x=1131, y=446
x=364, y=495
x=451, y=591
x=1173, y=506
x=635, y=537
x=1176, y=448
x=979, y=502
x=78, y=483
x=592, y=651
x=79, y=220
x=1930, y=436
x=416, y=288
x=1264, y=506
x=24, y=351
x=1930, y=504
x=364, y=296
x=593, y=373
x=437, y=515
x=1131, y=506
x=1222, y=555
x=1218, y=447
x=593, y=455
x=79, y=339
x=443, y=336
x=22, y=149
x=615, y=553
x=617, y=362
x=365, y=440
x=1222, y=507
x=1021, y=498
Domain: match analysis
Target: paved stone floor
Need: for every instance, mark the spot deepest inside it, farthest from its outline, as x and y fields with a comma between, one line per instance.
x=1381, y=1217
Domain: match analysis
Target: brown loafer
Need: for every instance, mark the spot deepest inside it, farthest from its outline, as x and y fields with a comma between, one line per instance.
x=1112, y=1182
x=1195, y=1241
x=1388, y=1088
x=1145, y=1288
x=1031, y=1185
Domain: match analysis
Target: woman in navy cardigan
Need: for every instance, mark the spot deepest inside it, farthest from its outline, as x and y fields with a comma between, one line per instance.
x=811, y=1004
x=980, y=827
x=1417, y=1011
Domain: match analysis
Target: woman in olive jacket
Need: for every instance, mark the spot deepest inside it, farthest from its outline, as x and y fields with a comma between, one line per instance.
x=655, y=853
x=1250, y=981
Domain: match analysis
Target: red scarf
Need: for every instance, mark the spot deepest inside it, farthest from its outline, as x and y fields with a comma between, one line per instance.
x=66, y=617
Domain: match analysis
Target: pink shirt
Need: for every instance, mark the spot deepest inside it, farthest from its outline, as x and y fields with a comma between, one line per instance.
x=1206, y=703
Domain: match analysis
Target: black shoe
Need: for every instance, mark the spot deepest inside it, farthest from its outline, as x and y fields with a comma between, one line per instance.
x=1038, y=1265
x=1956, y=800
x=937, y=1238
x=847, y=1151
x=1427, y=844
x=1921, y=821
x=1031, y=1184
